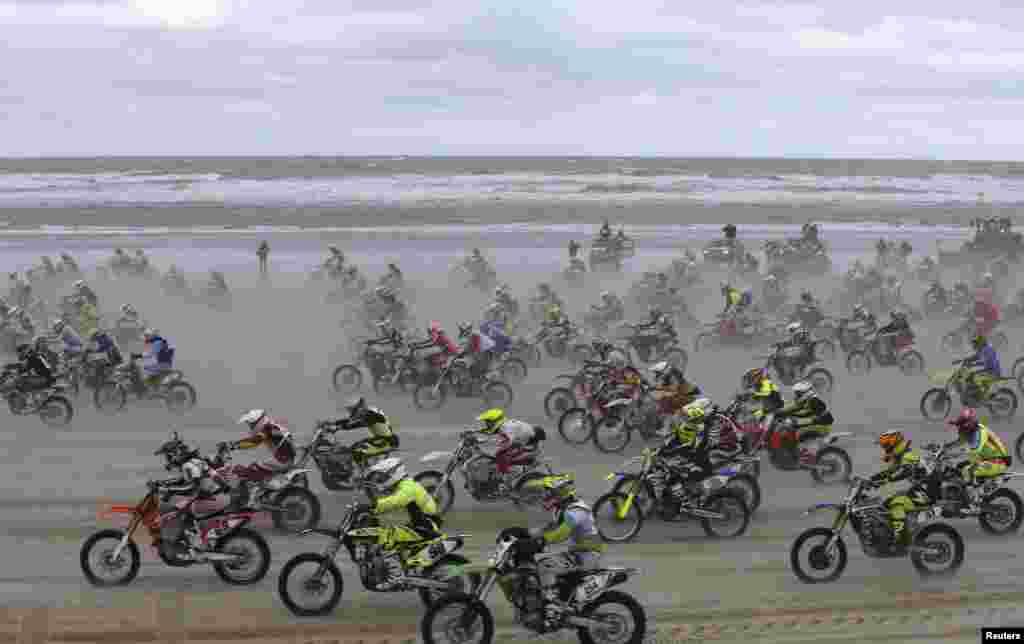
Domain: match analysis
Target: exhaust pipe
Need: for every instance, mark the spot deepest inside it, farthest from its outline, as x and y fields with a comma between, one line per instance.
x=706, y=514
x=586, y=623
x=419, y=582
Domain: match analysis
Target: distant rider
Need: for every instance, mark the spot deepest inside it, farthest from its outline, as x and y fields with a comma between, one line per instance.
x=102, y=342
x=761, y=390
x=898, y=329
x=270, y=433
x=810, y=416
x=35, y=372
x=158, y=356
x=70, y=340
x=382, y=440
x=986, y=362
x=987, y=455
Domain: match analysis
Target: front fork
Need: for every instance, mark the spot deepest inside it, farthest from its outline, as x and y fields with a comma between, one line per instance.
x=630, y=497
x=127, y=537
x=837, y=528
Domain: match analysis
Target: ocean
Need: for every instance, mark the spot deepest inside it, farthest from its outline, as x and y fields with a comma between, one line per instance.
x=211, y=212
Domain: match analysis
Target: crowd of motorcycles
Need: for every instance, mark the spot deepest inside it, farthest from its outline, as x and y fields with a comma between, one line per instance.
x=608, y=400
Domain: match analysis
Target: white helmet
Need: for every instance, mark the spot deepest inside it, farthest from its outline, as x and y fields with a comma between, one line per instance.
x=793, y=328
x=127, y=309
x=251, y=417
x=80, y=284
x=803, y=389
x=58, y=325
x=605, y=295
x=386, y=474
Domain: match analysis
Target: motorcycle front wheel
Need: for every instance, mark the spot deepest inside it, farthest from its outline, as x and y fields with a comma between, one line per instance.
x=180, y=397
x=56, y=411
x=313, y=575
x=457, y=619
x=104, y=543
x=110, y=397
x=615, y=524
x=814, y=541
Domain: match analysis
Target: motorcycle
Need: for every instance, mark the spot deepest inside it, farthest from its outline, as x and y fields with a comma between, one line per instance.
x=654, y=344
x=126, y=379
x=722, y=510
x=903, y=355
x=937, y=402
x=348, y=378
x=581, y=385
x=640, y=414
x=456, y=378
x=291, y=505
x=586, y=597
x=51, y=404
x=790, y=364
x=219, y=538
x=608, y=406
x=385, y=564
x=788, y=451
x=481, y=478
x=933, y=544
x=999, y=509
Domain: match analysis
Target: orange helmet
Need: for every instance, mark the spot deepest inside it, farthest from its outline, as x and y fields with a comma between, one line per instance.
x=754, y=377
x=893, y=444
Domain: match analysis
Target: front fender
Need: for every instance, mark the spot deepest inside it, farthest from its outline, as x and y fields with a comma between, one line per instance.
x=436, y=456
x=833, y=438
x=291, y=476
x=817, y=507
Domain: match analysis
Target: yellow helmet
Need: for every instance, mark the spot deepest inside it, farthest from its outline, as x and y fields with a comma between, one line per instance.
x=492, y=420
x=698, y=409
x=559, y=489
x=685, y=434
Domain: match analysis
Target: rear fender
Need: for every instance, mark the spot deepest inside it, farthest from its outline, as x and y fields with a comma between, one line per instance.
x=436, y=456
x=833, y=438
x=618, y=402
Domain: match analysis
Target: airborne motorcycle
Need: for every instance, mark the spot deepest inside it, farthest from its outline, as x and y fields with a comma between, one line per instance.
x=481, y=478
x=587, y=594
x=385, y=563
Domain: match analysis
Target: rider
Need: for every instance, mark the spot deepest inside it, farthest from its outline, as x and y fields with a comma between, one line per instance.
x=986, y=315
x=158, y=356
x=573, y=522
x=441, y=340
x=392, y=490
x=130, y=315
x=606, y=231
x=547, y=297
x=738, y=303
x=71, y=340
x=217, y=282
x=493, y=327
x=517, y=441
x=988, y=368
x=101, y=342
x=394, y=309
x=503, y=298
x=67, y=264
x=810, y=415
x=672, y=390
x=35, y=373
x=691, y=439
x=903, y=464
x=610, y=310
x=263, y=430
x=382, y=439
x=196, y=480
x=85, y=291
x=479, y=350
x=898, y=327
x=394, y=277
x=799, y=338
x=760, y=388
x=987, y=455
x=808, y=312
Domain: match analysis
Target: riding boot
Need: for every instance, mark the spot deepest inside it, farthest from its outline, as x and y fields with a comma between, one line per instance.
x=900, y=536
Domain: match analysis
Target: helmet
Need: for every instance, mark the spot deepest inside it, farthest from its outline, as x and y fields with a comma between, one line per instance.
x=659, y=368
x=40, y=342
x=606, y=295
x=80, y=284
x=966, y=422
x=435, y=327
x=476, y=251
x=58, y=325
x=493, y=311
x=698, y=409
x=725, y=288
x=897, y=315
x=23, y=350
x=893, y=444
x=127, y=309
x=859, y=311
x=334, y=249
x=544, y=287
x=95, y=333
x=655, y=314
x=383, y=476
x=254, y=418
x=149, y=333
x=793, y=328
x=804, y=389
x=979, y=341
x=492, y=420
x=559, y=491
x=753, y=377
x=807, y=297
x=175, y=452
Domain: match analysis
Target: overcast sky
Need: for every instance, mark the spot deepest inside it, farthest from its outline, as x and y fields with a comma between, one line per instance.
x=573, y=77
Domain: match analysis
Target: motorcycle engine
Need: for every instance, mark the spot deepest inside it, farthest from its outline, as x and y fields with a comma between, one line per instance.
x=381, y=572
x=875, y=532
x=482, y=476
x=525, y=595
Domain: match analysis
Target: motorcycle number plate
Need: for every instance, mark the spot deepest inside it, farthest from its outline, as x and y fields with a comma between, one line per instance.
x=591, y=587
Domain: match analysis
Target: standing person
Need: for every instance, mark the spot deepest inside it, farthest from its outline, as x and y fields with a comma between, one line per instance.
x=262, y=252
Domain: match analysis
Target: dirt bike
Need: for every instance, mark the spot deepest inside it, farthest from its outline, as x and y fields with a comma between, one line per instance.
x=640, y=414
x=635, y=496
x=126, y=380
x=180, y=538
x=999, y=509
x=790, y=364
x=827, y=463
x=51, y=404
x=480, y=475
x=578, y=389
x=585, y=598
x=958, y=339
x=557, y=340
x=853, y=339
x=378, y=354
x=903, y=355
x=654, y=344
x=431, y=566
x=455, y=377
x=608, y=406
x=291, y=505
x=937, y=402
x=725, y=333
x=933, y=544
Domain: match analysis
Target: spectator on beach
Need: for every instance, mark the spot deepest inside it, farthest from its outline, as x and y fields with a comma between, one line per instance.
x=262, y=252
